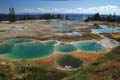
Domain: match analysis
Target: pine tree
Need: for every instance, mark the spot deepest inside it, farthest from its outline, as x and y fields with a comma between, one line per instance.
x=12, y=17
x=109, y=18
x=58, y=16
x=0, y=17
x=67, y=18
x=114, y=17
x=97, y=17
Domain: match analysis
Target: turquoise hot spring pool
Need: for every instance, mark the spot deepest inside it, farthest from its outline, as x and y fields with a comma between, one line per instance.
x=90, y=47
x=23, y=48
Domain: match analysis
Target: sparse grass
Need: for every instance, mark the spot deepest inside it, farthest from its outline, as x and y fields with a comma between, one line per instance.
x=23, y=71
x=106, y=67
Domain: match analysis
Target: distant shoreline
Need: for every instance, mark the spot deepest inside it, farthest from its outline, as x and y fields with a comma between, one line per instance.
x=37, y=16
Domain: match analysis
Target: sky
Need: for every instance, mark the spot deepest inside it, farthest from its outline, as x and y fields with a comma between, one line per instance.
x=61, y=6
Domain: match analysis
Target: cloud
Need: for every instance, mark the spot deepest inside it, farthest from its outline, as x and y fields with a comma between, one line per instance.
x=108, y=9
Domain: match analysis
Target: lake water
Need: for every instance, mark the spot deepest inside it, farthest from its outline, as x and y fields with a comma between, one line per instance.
x=17, y=40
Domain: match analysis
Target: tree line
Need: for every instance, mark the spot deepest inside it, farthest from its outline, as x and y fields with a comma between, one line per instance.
x=12, y=16
x=107, y=18
x=54, y=16
x=95, y=17
x=45, y=16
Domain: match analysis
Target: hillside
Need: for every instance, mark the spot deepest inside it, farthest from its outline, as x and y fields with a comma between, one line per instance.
x=106, y=67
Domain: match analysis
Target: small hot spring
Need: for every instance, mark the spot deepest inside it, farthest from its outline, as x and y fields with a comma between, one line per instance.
x=63, y=28
x=17, y=40
x=50, y=42
x=26, y=48
x=68, y=61
x=65, y=48
x=90, y=47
